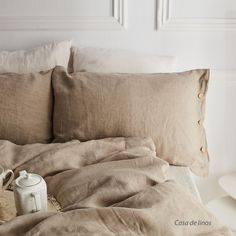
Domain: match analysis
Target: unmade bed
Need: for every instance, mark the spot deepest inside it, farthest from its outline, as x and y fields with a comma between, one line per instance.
x=114, y=186
x=104, y=141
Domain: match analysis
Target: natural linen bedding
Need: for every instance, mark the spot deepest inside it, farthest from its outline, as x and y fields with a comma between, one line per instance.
x=113, y=186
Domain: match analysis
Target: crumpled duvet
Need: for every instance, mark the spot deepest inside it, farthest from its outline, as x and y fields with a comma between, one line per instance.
x=113, y=186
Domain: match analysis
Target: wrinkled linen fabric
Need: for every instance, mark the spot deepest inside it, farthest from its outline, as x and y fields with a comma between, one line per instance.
x=110, y=60
x=167, y=107
x=26, y=104
x=113, y=186
x=36, y=59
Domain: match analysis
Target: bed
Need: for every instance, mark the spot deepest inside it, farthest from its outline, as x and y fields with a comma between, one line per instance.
x=104, y=187
x=116, y=148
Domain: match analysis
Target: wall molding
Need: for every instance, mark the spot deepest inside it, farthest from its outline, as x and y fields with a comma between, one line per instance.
x=114, y=22
x=164, y=21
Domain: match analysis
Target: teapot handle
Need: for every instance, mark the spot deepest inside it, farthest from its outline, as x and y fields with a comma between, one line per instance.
x=7, y=172
x=37, y=201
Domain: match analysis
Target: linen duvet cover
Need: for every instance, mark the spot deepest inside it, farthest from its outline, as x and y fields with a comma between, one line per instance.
x=112, y=186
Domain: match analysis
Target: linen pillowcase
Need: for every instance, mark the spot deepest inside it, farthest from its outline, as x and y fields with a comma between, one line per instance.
x=26, y=107
x=37, y=59
x=122, y=61
x=169, y=108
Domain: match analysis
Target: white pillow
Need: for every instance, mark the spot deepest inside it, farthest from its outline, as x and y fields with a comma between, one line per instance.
x=37, y=59
x=121, y=61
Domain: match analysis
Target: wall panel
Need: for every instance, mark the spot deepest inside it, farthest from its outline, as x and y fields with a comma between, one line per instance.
x=196, y=15
x=62, y=15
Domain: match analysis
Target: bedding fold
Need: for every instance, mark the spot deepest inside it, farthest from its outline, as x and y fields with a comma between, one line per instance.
x=113, y=186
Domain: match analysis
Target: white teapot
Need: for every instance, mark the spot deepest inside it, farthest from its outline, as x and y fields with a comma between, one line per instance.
x=30, y=192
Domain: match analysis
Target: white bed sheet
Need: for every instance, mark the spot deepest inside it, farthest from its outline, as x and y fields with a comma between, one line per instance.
x=184, y=177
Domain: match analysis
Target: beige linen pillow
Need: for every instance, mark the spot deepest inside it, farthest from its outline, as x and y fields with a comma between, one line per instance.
x=169, y=108
x=26, y=107
x=109, y=60
x=36, y=59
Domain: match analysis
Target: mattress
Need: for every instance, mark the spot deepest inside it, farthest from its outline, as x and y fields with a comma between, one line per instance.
x=184, y=177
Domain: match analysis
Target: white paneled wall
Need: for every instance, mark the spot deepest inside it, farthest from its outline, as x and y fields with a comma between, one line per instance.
x=61, y=15
x=199, y=33
x=196, y=15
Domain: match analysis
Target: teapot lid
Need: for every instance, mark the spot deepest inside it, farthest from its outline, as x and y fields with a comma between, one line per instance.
x=27, y=180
